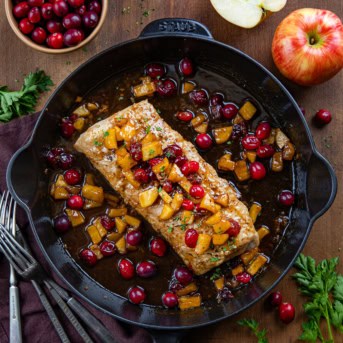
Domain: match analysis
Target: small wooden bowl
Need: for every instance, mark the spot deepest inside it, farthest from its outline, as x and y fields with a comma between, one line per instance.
x=42, y=48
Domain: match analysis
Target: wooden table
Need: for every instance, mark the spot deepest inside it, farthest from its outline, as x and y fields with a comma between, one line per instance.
x=326, y=237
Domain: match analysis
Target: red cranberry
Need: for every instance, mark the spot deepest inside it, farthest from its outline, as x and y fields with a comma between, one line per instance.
x=175, y=286
x=26, y=26
x=107, y=222
x=155, y=70
x=146, y=269
x=76, y=3
x=265, y=151
x=263, y=130
x=229, y=111
x=62, y=223
x=275, y=299
x=239, y=130
x=185, y=116
x=323, y=117
x=225, y=294
x=134, y=237
x=257, y=171
x=172, y=151
x=60, y=8
x=90, y=19
x=126, y=268
x=81, y=10
x=75, y=202
x=107, y=248
x=65, y=160
x=94, y=6
x=190, y=167
x=155, y=161
x=286, y=198
x=53, y=156
x=180, y=161
x=47, y=11
x=136, y=151
x=199, y=97
x=243, y=277
x=72, y=37
x=191, y=238
x=183, y=275
x=72, y=177
x=21, y=10
x=169, y=299
x=250, y=142
x=197, y=192
x=141, y=175
x=151, y=174
x=89, y=257
x=72, y=21
x=186, y=67
x=188, y=205
x=216, y=99
x=136, y=295
x=203, y=141
x=38, y=35
x=166, y=88
x=234, y=228
x=34, y=15
x=54, y=26
x=167, y=186
x=55, y=40
x=199, y=211
x=158, y=246
x=34, y=3
x=286, y=312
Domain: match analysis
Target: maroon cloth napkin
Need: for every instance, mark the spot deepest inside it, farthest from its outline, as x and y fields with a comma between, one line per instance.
x=35, y=323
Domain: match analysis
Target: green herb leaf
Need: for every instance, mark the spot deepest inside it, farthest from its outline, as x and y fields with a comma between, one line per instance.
x=216, y=274
x=148, y=129
x=106, y=133
x=97, y=143
x=214, y=259
x=158, y=128
x=170, y=229
x=252, y=324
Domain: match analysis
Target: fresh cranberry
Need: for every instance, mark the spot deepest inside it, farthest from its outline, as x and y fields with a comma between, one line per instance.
x=275, y=299
x=34, y=3
x=263, y=130
x=187, y=205
x=250, y=142
x=81, y=10
x=183, y=275
x=62, y=223
x=158, y=246
x=286, y=198
x=146, y=269
x=72, y=177
x=225, y=294
x=199, y=97
x=191, y=238
x=134, y=237
x=166, y=88
x=94, y=6
x=75, y=202
x=190, y=167
x=55, y=40
x=76, y=3
x=108, y=223
x=180, y=161
x=34, y=15
x=155, y=161
x=286, y=312
x=203, y=141
x=72, y=21
x=54, y=26
x=257, y=171
x=185, y=116
x=21, y=10
x=89, y=257
x=65, y=160
x=38, y=35
x=265, y=151
x=141, y=175
x=155, y=70
x=186, y=67
x=126, y=268
x=239, y=130
x=60, y=8
x=194, y=179
x=72, y=37
x=323, y=117
x=136, y=151
x=229, y=111
x=172, y=152
x=175, y=286
x=216, y=99
x=107, y=248
x=26, y=26
x=136, y=295
x=90, y=19
x=47, y=11
x=169, y=299
x=167, y=186
x=243, y=277
x=197, y=192
x=234, y=228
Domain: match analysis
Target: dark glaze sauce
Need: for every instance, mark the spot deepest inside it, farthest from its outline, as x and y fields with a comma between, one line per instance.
x=116, y=94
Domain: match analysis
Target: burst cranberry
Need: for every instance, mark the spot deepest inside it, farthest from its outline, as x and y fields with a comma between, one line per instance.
x=172, y=151
x=136, y=295
x=263, y=130
x=197, y=192
x=88, y=257
x=169, y=299
x=65, y=160
x=250, y=142
x=47, y=11
x=94, y=6
x=53, y=156
x=151, y=174
x=203, y=141
x=158, y=246
x=180, y=161
x=323, y=117
x=72, y=177
x=146, y=269
x=194, y=179
x=62, y=223
x=234, y=228
x=167, y=186
x=21, y=10
x=54, y=26
x=190, y=167
x=76, y=3
x=257, y=171
x=286, y=312
x=72, y=37
x=55, y=40
x=188, y=205
x=155, y=70
x=275, y=299
x=72, y=21
x=166, y=88
x=216, y=99
x=26, y=26
x=286, y=198
x=265, y=151
x=34, y=15
x=199, y=211
x=134, y=237
x=126, y=268
x=90, y=19
x=81, y=10
x=108, y=223
x=183, y=275
x=34, y=3
x=75, y=202
x=175, y=286
x=186, y=67
x=191, y=238
x=38, y=35
x=60, y=8
x=229, y=111
x=225, y=294
x=239, y=130
x=185, y=116
x=107, y=248
x=136, y=151
x=199, y=97
x=141, y=175
x=243, y=277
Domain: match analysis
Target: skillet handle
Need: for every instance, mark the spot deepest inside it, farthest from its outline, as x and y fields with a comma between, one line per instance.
x=321, y=185
x=176, y=26
x=159, y=336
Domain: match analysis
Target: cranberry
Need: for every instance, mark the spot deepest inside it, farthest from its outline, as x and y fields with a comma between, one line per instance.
x=169, y=299
x=191, y=238
x=81, y=10
x=65, y=160
x=38, y=35
x=167, y=186
x=126, y=268
x=158, y=246
x=239, y=130
x=188, y=205
x=172, y=152
x=54, y=26
x=151, y=174
x=166, y=88
x=72, y=21
x=155, y=70
x=55, y=40
x=194, y=179
x=250, y=142
x=197, y=192
x=275, y=299
x=136, y=151
x=186, y=67
x=108, y=223
x=286, y=312
x=180, y=161
x=146, y=269
x=225, y=294
x=76, y=3
x=26, y=26
x=107, y=248
x=263, y=130
x=34, y=3
x=185, y=116
x=134, y=237
x=72, y=37
x=203, y=141
x=286, y=198
x=234, y=228
x=257, y=171
x=90, y=19
x=183, y=275
x=229, y=111
x=200, y=211
x=216, y=99
x=323, y=117
x=155, y=161
x=141, y=175
x=62, y=223
x=53, y=156
x=199, y=97
x=94, y=6
x=75, y=202
x=175, y=286
x=89, y=257
x=60, y=8
x=136, y=295
x=243, y=277
x=47, y=11
x=34, y=15
x=190, y=167
x=72, y=177
x=21, y=10
x=265, y=151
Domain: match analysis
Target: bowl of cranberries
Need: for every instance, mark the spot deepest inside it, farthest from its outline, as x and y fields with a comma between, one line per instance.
x=56, y=26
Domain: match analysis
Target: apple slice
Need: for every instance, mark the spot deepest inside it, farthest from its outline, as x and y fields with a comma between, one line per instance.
x=246, y=13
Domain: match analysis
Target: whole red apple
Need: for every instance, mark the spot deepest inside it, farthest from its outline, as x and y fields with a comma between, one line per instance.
x=308, y=46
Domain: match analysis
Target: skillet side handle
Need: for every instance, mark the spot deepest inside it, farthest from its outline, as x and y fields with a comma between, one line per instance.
x=159, y=336
x=176, y=26
x=321, y=185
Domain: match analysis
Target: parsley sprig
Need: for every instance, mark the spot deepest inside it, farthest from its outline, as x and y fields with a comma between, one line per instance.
x=252, y=324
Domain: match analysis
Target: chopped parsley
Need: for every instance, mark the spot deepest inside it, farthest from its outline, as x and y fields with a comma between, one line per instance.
x=148, y=129
x=151, y=152
x=159, y=189
x=214, y=259
x=228, y=142
x=97, y=143
x=119, y=117
x=170, y=229
x=106, y=133
x=216, y=274
x=158, y=128
x=168, y=154
x=158, y=111
x=162, y=169
x=183, y=227
x=146, y=13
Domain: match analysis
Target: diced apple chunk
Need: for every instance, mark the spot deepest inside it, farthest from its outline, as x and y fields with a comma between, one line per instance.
x=162, y=167
x=248, y=110
x=146, y=88
x=110, y=140
x=241, y=171
x=177, y=201
x=93, y=193
x=288, y=151
x=203, y=243
x=254, y=211
x=221, y=227
x=188, y=302
x=222, y=199
x=216, y=218
x=120, y=225
x=197, y=120
x=130, y=177
x=249, y=255
x=175, y=174
x=150, y=137
x=219, y=283
x=151, y=150
x=82, y=111
x=257, y=264
x=202, y=128
x=120, y=120
x=96, y=249
x=192, y=287
x=132, y=221
x=94, y=234
x=222, y=135
x=114, y=236
x=207, y=203
x=225, y=163
x=148, y=197
x=188, y=87
x=89, y=204
x=126, y=162
x=167, y=212
x=165, y=196
x=79, y=124
x=128, y=132
x=185, y=184
x=76, y=217
x=262, y=232
x=277, y=162
x=187, y=217
x=220, y=239
x=102, y=231
x=251, y=156
x=59, y=193
x=121, y=245
x=117, y=212
x=237, y=270
x=281, y=139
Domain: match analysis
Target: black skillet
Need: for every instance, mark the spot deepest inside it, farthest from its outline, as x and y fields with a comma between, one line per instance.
x=168, y=40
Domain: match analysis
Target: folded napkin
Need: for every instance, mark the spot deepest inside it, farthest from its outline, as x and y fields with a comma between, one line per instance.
x=36, y=324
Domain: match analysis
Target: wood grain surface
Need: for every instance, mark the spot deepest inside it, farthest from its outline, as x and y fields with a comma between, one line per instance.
x=326, y=237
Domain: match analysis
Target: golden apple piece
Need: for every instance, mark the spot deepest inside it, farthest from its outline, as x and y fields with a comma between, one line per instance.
x=148, y=197
x=110, y=140
x=225, y=163
x=94, y=234
x=132, y=221
x=165, y=196
x=254, y=211
x=216, y=218
x=192, y=287
x=117, y=212
x=76, y=217
x=93, y=193
x=151, y=150
x=175, y=174
x=222, y=134
x=202, y=128
x=237, y=270
x=121, y=245
x=187, y=302
x=249, y=255
x=203, y=243
x=120, y=225
x=219, y=283
x=167, y=212
x=262, y=232
x=177, y=201
x=207, y=203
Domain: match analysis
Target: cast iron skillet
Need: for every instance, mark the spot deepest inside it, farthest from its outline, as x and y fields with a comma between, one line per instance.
x=168, y=40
